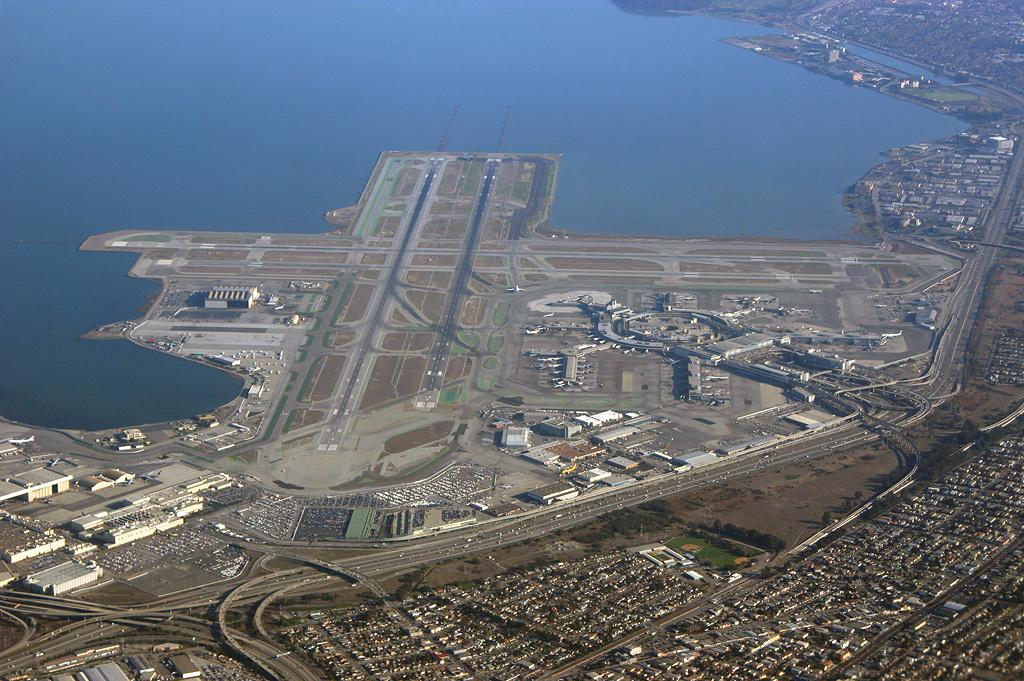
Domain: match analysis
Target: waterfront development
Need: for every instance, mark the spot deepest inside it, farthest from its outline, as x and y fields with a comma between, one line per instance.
x=461, y=440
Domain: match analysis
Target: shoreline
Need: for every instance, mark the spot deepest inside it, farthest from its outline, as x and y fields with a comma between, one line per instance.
x=854, y=233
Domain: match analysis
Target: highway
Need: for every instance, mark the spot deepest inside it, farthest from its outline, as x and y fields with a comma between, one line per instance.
x=961, y=309
x=95, y=622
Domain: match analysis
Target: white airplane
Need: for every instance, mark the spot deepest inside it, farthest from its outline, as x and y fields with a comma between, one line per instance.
x=22, y=441
x=514, y=289
x=814, y=290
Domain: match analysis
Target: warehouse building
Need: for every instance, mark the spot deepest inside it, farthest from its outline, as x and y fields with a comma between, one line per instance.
x=599, y=419
x=63, y=578
x=553, y=493
x=593, y=475
x=35, y=483
x=184, y=667
x=21, y=540
x=142, y=667
x=614, y=434
x=137, y=519
x=110, y=671
x=622, y=463
x=539, y=456
x=570, y=368
x=144, y=524
x=695, y=459
x=233, y=297
x=515, y=438
x=104, y=479
x=555, y=427
x=359, y=523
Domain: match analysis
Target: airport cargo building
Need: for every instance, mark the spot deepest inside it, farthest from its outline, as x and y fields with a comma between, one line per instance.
x=234, y=297
x=63, y=578
x=553, y=493
x=36, y=483
x=19, y=540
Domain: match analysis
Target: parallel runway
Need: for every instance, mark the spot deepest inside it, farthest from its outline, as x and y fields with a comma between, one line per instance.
x=334, y=431
x=447, y=332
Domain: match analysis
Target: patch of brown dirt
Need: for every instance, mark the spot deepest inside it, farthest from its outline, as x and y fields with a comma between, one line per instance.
x=360, y=298
x=298, y=418
x=406, y=342
x=393, y=377
x=418, y=437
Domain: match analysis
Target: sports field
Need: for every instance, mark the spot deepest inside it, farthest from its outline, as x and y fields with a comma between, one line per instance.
x=705, y=551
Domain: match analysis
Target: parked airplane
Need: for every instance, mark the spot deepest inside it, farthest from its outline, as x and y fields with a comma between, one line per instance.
x=22, y=441
x=514, y=289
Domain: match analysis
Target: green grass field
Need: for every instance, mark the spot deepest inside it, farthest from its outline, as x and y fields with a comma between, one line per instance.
x=346, y=295
x=151, y=238
x=492, y=363
x=501, y=313
x=521, y=191
x=470, y=338
x=944, y=95
x=496, y=341
x=472, y=179
x=370, y=214
x=708, y=552
x=451, y=395
x=311, y=374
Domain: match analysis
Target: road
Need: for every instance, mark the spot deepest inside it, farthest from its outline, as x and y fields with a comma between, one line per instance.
x=962, y=307
x=94, y=622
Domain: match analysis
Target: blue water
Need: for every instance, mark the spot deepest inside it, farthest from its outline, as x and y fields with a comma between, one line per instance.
x=259, y=115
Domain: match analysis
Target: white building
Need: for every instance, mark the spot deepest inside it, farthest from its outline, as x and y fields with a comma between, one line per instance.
x=142, y=517
x=110, y=671
x=19, y=543
x=515, y=438
x=553, y=493
x=599, y=419
x=36, y=483
x=695, y=459
x=63, y=578
x=593, y=475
